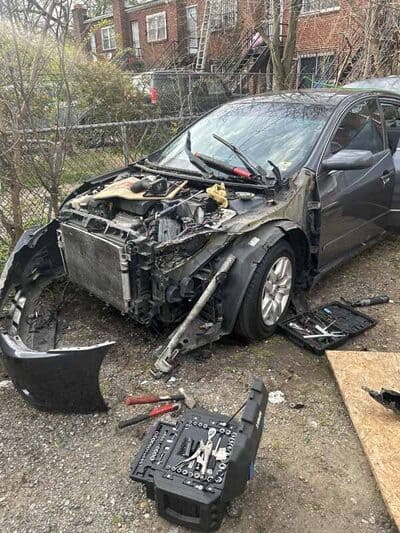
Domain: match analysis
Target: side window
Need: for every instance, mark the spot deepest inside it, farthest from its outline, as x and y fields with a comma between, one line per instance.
x=360, y=129
x=391, y=113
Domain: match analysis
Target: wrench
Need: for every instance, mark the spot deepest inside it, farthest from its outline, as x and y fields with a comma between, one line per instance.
x=207, y=451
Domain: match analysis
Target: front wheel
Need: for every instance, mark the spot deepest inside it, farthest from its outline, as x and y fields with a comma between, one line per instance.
x=268, y=295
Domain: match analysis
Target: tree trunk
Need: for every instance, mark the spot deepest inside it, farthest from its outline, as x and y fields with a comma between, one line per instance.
x=283, y=53
x=16, y=204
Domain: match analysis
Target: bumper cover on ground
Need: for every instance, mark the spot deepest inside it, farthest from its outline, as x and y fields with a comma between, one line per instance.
x=61, y=380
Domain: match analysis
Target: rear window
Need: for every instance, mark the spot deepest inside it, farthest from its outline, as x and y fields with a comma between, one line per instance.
x=167, y=84
x=388, y=84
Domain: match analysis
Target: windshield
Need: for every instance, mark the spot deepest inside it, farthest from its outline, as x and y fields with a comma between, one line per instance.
x=283, y=133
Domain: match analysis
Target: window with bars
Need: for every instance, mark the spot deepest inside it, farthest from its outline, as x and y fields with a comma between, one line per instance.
x=318, y=6
x=224, y=15
x=156, y=27
x=108, y=38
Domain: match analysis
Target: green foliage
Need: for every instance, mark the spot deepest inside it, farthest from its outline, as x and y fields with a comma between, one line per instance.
x=105, y=94
x=59, y=84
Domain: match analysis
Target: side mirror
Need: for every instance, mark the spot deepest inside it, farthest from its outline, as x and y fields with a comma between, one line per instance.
x=349, y=160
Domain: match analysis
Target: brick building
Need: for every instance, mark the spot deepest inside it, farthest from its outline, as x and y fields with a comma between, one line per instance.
x=149, y=34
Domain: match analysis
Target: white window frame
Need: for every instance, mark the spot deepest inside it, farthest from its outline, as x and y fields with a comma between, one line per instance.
x=315, y=9
x=110, y=38
x=133, y=3
x=193, y=49
x=156, y=16
x=220, y=15
x=312, y=55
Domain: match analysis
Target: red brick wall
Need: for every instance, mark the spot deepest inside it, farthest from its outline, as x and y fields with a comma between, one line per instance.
x=154, y=50
x=220, y=44
x=321, y=32
x=325, y=32
x=121, y=26
x=79, y=15
x=97, y=33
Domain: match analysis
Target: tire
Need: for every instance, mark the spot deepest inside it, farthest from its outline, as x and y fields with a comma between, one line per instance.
x=251, y=324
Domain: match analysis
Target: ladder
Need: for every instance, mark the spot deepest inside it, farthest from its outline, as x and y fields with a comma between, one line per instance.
x=204, y=36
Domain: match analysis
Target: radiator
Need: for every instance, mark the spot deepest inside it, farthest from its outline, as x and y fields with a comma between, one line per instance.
x=96, y=264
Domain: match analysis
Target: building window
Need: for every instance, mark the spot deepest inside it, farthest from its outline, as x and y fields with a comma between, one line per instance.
x=156, y=27
x=318, y=6
x=316, y=71
x=223, y=15
x=130, y=3
x=108, y=38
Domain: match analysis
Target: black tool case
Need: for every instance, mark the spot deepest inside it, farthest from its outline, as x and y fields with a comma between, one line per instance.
x=182, y=494
x=345, y=319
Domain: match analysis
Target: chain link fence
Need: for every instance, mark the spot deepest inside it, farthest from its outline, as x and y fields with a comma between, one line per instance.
x=54, y=161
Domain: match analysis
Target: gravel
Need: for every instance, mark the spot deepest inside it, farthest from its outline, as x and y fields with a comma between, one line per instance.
x=71, y=473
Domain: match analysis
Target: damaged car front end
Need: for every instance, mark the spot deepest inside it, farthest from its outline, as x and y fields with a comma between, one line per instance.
x=208, y=243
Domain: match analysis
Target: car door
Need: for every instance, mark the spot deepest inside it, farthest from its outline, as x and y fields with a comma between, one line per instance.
x=391, y=114
x=355, y=203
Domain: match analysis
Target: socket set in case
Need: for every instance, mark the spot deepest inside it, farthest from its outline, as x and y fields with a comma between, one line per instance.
x=327, y=327
x=195, y=468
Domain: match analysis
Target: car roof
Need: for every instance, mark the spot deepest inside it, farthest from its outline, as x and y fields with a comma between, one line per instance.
x=325, y=97
x=387, y=83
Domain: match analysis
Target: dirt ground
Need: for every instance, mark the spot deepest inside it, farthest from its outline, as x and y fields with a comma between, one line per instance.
x=71, y=473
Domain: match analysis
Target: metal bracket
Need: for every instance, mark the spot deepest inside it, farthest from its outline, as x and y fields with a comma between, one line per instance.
x=174, y=347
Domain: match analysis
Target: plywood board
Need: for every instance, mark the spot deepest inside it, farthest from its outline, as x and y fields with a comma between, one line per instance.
x=378, y=428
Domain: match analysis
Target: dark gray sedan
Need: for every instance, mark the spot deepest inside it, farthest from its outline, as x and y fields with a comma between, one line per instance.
x=212, y=233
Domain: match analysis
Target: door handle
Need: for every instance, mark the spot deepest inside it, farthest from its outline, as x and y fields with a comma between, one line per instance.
x=386, y=177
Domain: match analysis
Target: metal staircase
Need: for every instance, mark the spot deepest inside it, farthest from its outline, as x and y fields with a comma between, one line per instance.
x=251, y=59
x=201, y=58
x=243, y=60
x=239, y=48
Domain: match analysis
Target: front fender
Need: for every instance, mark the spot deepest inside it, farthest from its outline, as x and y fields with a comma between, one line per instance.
x=249, y=250
x=36, y=254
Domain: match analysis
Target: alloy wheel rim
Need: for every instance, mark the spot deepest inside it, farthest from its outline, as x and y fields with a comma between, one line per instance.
x=276, y=290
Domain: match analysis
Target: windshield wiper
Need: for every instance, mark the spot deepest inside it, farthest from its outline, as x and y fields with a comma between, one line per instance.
x=196, y=161
x=217, y=164
x=256, y=170
x=204, y=162
x=193, y=177
x=278, y=174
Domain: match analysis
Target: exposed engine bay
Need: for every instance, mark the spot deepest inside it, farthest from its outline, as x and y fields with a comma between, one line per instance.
x=121, y=240
x=161, y=247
